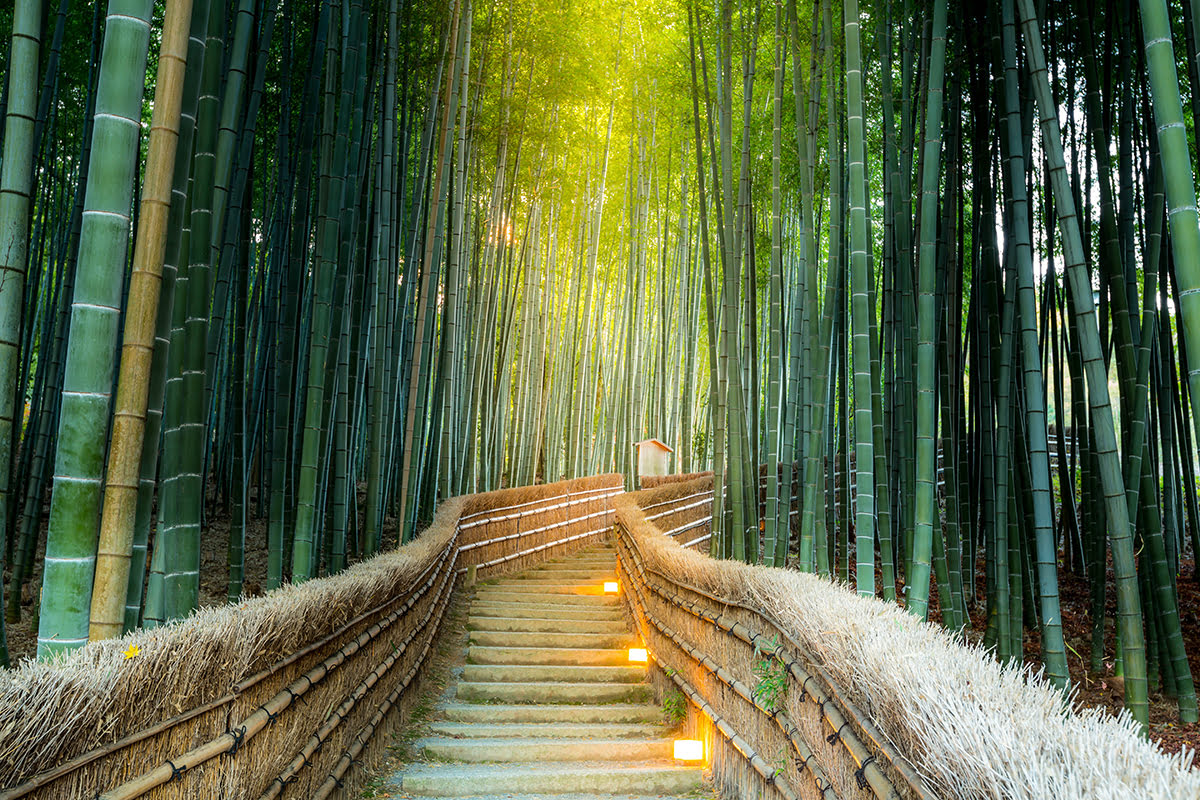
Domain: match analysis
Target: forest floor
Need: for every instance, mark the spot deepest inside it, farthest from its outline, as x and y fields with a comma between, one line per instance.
x=214, y=571
x=1105, y=689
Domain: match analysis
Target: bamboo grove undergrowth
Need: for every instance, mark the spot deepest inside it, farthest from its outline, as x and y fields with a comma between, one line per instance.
x=917, y=281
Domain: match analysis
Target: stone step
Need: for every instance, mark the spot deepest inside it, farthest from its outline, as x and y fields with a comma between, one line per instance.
x=611, y=713
x=538, y=588
x=539, y=673
x=583, y=657
x=591, y=796
x=553, y=692
x=547, y=611
x=505, y=750
x=497, y=595
x=565, y=575
x=547, y=730
x=599, y=641
x=500, y=620
x=578, y=563
x=639, y=778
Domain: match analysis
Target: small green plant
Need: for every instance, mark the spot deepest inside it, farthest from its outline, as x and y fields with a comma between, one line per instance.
x=780, y=762
x=771, y=672
x=674, y=706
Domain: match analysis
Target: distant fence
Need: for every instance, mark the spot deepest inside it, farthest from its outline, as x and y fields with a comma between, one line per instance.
x=286, y=695
x=802, y=689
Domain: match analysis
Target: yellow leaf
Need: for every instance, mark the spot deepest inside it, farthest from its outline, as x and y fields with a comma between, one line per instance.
x=132, y=651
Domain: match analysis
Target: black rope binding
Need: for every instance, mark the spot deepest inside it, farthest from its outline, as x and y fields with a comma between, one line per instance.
x=837, y=735
x=239, y=735
x=804, y=692
x=176, y=772
x=271, y=718
x=860, y=774
x=802, y=763
x=300, y=696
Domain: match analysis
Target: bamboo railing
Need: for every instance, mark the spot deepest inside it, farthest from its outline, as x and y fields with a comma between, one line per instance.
x=810, y=743
x=287, y=695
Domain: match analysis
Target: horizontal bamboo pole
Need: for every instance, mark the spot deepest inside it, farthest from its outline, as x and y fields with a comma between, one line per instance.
x=336, y=777
x=837, y=708
x=338, y=715
x=757, y=762
x=239, y=688
x=232, y=741
x=804, y=753
x=534, y=531
x=556, y=543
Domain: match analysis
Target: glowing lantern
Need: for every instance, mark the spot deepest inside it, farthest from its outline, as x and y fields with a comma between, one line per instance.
x=638, y=654
x=610, y=587
x=689, y=750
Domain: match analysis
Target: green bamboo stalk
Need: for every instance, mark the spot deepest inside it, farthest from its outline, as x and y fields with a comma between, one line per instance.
x=1129, y=622
x=927, y=379
x=1053, y=649
x=117, y=523
x=87, y=383
x=861, y=312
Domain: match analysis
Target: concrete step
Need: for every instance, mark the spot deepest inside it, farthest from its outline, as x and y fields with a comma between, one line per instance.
x=547, y=611
x=640, y=778
x=507, y=750
x=600, y=641
x=497, y=620
x=497, y=595
x=611, y=713
x=547, y=730
x=587, y=589
x=538, y=673
x=478, y=654
x=553, y=692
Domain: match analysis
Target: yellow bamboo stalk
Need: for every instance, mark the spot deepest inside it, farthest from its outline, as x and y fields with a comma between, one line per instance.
x=137, y=347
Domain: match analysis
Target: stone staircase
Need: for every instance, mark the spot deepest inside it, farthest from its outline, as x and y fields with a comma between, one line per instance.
x=548, y=704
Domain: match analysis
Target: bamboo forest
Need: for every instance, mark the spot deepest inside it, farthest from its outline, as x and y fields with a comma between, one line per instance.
x=917, y=282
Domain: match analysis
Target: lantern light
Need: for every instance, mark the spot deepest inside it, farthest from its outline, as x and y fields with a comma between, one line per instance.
x=610, y=587
x=638, y=654
x=689, y=750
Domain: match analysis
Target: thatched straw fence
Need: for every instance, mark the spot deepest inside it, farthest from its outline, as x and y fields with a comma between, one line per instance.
x=286, y=695
x=877, y=704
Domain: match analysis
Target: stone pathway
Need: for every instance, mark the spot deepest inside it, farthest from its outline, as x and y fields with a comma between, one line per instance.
x=548, y=705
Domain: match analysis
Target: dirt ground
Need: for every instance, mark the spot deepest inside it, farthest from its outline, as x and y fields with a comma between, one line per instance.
x=1105, y=689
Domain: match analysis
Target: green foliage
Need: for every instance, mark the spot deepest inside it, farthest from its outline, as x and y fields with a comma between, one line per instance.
x=674, y=707
x=771, y=673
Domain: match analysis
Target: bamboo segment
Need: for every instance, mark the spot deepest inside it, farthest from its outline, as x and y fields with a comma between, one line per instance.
x=75, y=504
x=133, y=384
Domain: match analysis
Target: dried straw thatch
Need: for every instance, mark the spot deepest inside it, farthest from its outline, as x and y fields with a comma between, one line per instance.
x=967, y=726
x=282, y=690
x=655, y=481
